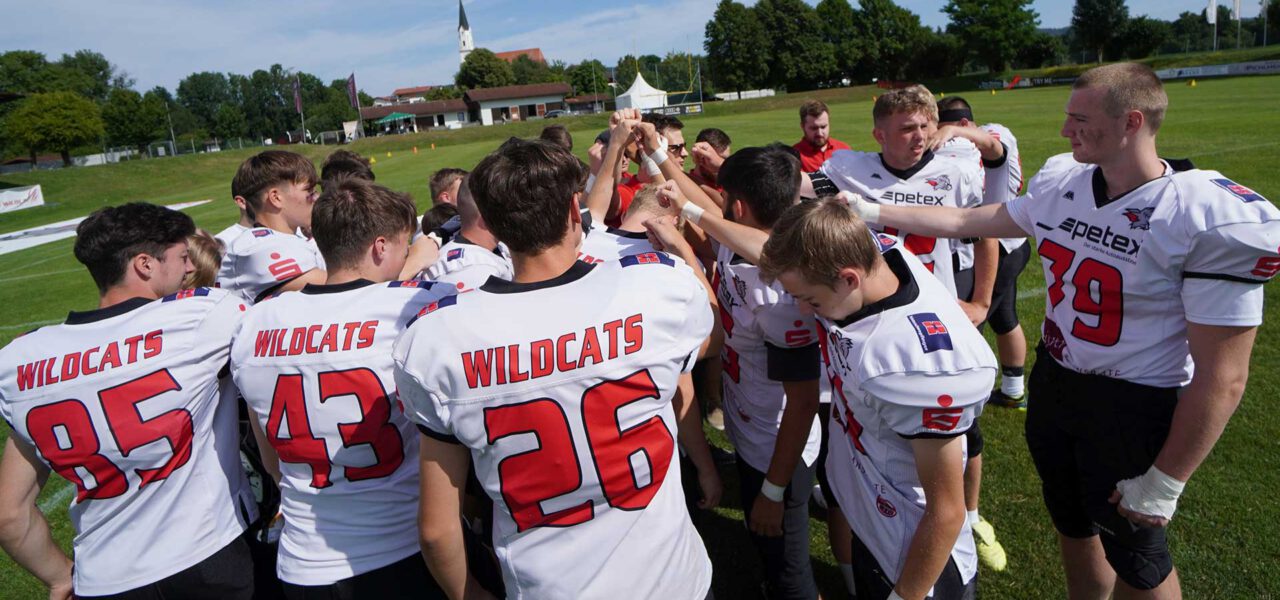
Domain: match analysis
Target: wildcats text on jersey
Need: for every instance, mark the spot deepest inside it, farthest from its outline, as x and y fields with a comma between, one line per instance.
x=310, y=340
x=501, y=365
x=69, y=366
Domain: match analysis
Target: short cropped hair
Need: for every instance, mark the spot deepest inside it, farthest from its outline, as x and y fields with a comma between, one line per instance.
x=205, y=252
x=910, y=99
x=264, y=170
x=112, y=236
x=442, y=179
x=524, y=191
x=1128, y=86
x=646, y=201
x=437, y=216
x=812, y=108
x=662, y=122
x=816, y=239
x=717, y=138
x=765, y=178
x=558, y=134
x=345, y=163
x=352, y=213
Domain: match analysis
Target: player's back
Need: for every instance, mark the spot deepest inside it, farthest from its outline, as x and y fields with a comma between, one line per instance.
x=467, y=266
x=261, y=260
x=609, y=243
x=562, y=390
x=125, y=403
x=315, y=368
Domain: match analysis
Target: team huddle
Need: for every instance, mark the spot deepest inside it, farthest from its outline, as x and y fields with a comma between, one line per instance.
x=506, y=398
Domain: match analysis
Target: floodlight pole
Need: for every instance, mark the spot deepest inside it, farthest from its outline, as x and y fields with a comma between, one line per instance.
x=173, y=141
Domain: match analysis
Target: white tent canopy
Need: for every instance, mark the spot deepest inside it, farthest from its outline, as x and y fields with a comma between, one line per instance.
x=642, y=95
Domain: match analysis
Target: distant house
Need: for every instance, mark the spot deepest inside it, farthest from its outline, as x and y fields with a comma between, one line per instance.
x=425, y=114
x=591, y=103
x=516, y=102
x=534, y=54
x=407, y=94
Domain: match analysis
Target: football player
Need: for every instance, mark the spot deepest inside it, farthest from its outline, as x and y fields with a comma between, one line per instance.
x=558, y=385
x=1154, y=274
x=279, y=189
x=233, y=231
x=909, y=375
x=124, y=402
x=710, y=149
x=474, y=254
x=315, y=369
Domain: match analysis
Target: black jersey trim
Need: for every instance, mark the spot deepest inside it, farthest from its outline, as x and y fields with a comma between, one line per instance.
x=501, y=286
x=908, y=290
x=904, y=175
x=271, y=291
x=793, y=364
x=999, y=162
x=822, y=185
x=631, y=235
x=336, y=288
x=463, y=240
x=1099, y=182
x=1180, y=164
x=91, y=316
x=1220, y=276
x=436, y=435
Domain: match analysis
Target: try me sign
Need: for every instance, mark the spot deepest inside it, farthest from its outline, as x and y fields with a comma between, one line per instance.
x=19, y=198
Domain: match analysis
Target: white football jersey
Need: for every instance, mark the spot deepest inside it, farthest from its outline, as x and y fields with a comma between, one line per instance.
x=125, y=403
x=261, y=260
x=937, y=180
x=228, y=235
x=908, y=366
x=467, y=266
x=1008, y=170
x=599, y=245
x=765, y=334
x=562, y=391
x=315, y=368
x=1124, y=276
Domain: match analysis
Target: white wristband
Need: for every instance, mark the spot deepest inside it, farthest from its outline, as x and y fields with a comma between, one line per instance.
x=658, y=156
x=867, y=211
x=591, y=181
x=1153, y=493
x=650, y=167
x=692, y=213
x=771, y=491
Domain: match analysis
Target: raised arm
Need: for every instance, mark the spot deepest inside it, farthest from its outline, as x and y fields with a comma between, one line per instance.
x=603, y=192
x=745, y=241
x=939, y=221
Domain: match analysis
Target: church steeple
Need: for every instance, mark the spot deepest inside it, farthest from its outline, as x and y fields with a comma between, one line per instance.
x=465, y=43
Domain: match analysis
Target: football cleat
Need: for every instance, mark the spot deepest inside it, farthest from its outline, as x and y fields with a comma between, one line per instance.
x=990, y=552
x=998, y=398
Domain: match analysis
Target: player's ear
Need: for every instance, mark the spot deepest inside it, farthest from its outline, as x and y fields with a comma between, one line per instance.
x=878, y=134
x=379, y=249
x=240, y=202
x=1134, y=121
x=851, y=277
x=739, y=209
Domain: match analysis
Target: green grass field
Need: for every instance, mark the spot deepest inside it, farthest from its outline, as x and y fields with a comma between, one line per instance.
x=1226, y=539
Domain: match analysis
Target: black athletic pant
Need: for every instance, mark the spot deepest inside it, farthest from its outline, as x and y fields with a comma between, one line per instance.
x=787, y=570
x=226, y=575
x=406, y=579
x=872, y=583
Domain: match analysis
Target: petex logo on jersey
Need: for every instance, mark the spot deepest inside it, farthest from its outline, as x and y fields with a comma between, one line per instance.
x=932, y=332
x=1238, y=190
x=1139, y=218
x=941, y=182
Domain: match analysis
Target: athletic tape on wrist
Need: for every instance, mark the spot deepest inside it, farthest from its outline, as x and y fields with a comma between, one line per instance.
x=1153, y=493
x=591, y=181
x=658, y=156
x=650, y=167
x=771, y=491
x=870, y=212
x=693, y=213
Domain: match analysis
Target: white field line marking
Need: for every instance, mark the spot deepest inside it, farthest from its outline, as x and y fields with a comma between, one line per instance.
x=31, y=324
x=58, y=499
x=39, y=275
x=52, y=232
x=1036, y=293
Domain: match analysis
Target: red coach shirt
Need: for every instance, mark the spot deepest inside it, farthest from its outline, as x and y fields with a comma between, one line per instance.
x=811, y=158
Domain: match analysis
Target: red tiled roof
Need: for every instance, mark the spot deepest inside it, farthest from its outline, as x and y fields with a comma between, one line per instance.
x=588, y=98
x=535, y=54
x=435, y=107
x=412, y=91
x=512, y=92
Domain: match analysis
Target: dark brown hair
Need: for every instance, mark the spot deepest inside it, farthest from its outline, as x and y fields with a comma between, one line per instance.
x=352, y=213
x=524, y=191
x=265, y=170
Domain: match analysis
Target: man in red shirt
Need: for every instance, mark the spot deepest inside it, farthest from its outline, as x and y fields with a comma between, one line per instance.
x=817, y=145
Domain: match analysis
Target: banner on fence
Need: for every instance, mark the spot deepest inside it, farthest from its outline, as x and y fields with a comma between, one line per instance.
x=20, y=197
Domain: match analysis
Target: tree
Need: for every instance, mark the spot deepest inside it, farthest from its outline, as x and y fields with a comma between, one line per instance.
x=1044, y=50
x=228, y=122
x=840, y=30
x=1190, y=31
x=1097, y=22
x=131, y=121
x=54, y=121
x=1142, y=36
x=483, y=69
x=441, y=92
x=889, y=36
x=588, y=77
x=737, y=47
x=1272, y=22
x=992, y=31
x=799, y=57
x=526, y=70
x=940, y=55
x=628, y=66
x=93, y=74
x=202, y=94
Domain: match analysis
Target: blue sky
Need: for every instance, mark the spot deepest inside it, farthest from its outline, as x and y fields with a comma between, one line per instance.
x=392, y=43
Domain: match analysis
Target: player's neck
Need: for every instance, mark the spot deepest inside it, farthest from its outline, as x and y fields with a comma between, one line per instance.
x=275, y=222
x=548, y=264
x=245, y=220
x=126, y=291
x=480, y=237
x=879, y=284
x=1131, y=169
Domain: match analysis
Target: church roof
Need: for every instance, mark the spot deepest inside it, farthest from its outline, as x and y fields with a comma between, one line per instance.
x=462, y=17
x=534, y=54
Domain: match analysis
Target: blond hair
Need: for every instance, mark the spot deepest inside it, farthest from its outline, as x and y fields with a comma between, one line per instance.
x=646, y=200
x=1128, y=86
x=816, y=239
x=911, y=99
x=206, y=254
